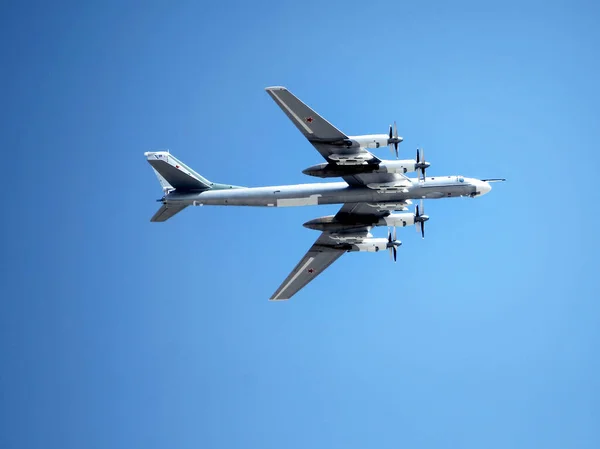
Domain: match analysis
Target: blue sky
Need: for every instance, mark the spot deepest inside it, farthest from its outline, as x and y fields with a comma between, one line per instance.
x=117, y=332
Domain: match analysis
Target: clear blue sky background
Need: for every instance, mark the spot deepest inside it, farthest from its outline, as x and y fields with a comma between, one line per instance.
x=120, y=333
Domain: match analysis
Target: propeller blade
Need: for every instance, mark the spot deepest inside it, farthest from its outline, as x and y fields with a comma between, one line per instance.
x=395, y=253
x=420, y=218
x=394, y=234
x=394, y=139
x=421, y=164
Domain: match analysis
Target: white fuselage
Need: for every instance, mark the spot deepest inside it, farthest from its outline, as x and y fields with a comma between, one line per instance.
x=334, y=193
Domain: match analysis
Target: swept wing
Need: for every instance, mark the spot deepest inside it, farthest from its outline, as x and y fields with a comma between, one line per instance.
x=354, y=220
x=330, y=142
x=321, y=254
x=336, y=147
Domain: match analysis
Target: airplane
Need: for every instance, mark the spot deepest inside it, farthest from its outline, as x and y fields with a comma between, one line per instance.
x=372, y=192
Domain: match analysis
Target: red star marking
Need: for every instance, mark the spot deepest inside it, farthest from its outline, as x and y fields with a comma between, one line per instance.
x=309, y=119
x=311, y=271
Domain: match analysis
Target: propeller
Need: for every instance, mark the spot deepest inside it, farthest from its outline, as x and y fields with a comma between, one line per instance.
x=421, y=164
x=420, y=219
x=394, y=139
x=393, y=244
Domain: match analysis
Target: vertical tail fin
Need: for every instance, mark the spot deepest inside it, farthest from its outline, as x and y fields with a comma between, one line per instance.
x=163, y=182
x=175, y=173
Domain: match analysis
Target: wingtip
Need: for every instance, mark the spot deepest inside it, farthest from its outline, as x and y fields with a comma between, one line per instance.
x=275, y=88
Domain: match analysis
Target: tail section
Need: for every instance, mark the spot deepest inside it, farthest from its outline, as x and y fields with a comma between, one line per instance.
x=174, y=175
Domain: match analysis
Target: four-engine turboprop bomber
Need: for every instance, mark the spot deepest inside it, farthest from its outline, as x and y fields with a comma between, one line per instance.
x=374, y=192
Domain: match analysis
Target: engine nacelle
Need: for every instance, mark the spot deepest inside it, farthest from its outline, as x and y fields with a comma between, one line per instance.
x=355, y=164
x=370, y=141
x=405, y=166
x=402, y=219
x=371, y=245
x=326, y=170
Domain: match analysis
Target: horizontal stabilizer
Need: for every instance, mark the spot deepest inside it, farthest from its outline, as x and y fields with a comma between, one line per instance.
x=166, y=211
x=176, y=173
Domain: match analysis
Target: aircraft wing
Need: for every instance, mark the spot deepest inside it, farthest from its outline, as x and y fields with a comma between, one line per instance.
x=353, y=220
x=326, y=138
x=321, y=254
